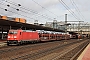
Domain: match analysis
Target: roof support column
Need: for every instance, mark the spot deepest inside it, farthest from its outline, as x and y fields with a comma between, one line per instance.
x=10, y=27
x=2, y=34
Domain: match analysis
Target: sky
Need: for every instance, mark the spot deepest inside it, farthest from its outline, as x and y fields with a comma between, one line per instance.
x=47, y=10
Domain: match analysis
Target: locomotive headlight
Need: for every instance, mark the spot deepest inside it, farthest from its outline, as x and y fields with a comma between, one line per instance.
x=15, y=36
x=8, y=36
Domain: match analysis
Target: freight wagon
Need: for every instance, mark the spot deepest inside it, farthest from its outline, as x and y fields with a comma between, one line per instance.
x=23, y=36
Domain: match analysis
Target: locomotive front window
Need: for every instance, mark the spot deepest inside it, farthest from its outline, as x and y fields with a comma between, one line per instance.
x=13, y=32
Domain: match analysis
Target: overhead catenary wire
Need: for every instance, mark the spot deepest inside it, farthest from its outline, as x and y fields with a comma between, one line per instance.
x=73, y=14
x=77, y=9
x=14, y=8
x=28, y=9
x=44, y=7
x=16, y=13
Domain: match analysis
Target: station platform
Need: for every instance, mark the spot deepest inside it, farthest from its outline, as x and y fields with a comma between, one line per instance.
x=85, y=55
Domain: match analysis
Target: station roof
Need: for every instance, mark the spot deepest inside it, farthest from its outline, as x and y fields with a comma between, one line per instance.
x=7, y=24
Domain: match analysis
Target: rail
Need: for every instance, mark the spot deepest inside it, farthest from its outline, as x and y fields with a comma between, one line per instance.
x=79, y=52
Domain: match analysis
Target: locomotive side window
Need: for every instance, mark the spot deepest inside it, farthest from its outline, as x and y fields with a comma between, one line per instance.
x=20, y=33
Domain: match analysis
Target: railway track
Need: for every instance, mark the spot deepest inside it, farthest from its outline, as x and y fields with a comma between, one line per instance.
x=73, y=52
x=40, y=51
x=13, y=51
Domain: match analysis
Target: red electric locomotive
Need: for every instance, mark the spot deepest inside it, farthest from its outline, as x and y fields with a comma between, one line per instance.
x=23, y=36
